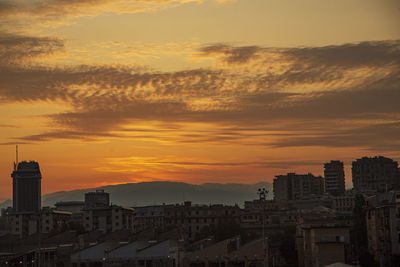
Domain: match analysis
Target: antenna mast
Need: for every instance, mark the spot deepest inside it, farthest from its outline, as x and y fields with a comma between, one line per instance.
x=16, y=154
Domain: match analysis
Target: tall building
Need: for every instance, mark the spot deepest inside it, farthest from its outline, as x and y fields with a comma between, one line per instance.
x=334, y=178
x=27, y=187
x=297, y=186
x=375, y=174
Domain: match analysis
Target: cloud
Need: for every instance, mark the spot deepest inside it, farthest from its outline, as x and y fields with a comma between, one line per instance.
x=294, y=96
x=232, y=55
x=378, y=137
x=312, y=68
x=365, y=54
x=48, y=12
x=16, y=49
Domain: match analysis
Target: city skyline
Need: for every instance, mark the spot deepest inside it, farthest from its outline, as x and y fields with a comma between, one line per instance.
x=196, y=91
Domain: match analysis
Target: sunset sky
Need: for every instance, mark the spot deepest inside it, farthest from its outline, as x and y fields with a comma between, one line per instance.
x=116, y=91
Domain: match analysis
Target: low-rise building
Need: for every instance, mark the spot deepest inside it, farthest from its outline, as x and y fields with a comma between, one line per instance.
x=136, y=253
x=108, y=219
x=191, y=219
x=22, y=224
x=344, y=204
x=53, y=220
x=322, y=243
x=383, y=227
x=149, y=217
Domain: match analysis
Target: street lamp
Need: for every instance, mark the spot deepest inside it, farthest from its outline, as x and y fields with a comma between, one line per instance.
x=262, y=192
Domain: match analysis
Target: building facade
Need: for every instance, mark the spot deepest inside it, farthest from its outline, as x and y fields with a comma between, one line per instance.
x=344, y=204
x=377, y=174
x=322, y=244
x=149, y=217
x=108, y=219
x=383, y=227
x=294, y=186
x=98, y=199
x=334, y=178
x=191, y=219
x=27, y=188
x=54, y=220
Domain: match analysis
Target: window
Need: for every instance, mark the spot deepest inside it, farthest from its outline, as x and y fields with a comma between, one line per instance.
x=339, y=238
x=323, y=239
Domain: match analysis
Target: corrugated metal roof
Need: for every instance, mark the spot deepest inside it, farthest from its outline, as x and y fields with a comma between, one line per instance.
x=94, y=253
x=129, y=250
x=158, y=250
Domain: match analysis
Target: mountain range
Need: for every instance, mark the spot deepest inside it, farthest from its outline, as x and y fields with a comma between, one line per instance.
x=156, y=193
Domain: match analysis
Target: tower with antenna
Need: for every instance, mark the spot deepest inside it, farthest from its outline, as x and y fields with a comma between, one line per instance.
x=16, y=158
x=27, y=185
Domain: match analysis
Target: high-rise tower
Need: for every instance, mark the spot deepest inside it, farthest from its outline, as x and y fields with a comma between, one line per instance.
x=334, y=178
x=375, y=174
x=27, y=187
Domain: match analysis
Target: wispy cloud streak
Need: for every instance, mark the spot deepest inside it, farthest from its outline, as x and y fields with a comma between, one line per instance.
x=295, y=89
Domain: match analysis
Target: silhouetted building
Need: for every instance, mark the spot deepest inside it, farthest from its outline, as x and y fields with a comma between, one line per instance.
x=98, y=199
x=108, y=219
x=383, y=220
x=320, y=243
x=149, y=217
x=22, y=224
x=26, y=187
x=297, y=186
x=334, y=178
x=344, y=204
x=192, y=219
x=375, y=174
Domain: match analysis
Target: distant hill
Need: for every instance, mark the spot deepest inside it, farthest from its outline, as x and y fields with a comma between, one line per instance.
x=156, y=193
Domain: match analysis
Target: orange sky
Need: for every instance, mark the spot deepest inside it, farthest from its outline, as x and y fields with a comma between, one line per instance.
x=197, y=91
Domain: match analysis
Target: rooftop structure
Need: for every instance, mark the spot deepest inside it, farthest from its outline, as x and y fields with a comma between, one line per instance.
x=378, y=174
x=334, y=178
x=294, y=186
x=26, y=187
x=98, y=199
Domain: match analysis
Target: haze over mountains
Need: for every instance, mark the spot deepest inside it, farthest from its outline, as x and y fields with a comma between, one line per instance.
x=156, y=193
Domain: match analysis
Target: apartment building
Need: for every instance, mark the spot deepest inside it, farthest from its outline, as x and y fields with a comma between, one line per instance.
x=378, y=174
x=334, y=178
x=320, y=243
x=192, y=218
x=383, y=227
x=294, y=186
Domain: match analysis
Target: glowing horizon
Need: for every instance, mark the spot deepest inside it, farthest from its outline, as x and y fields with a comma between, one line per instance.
x=196, y=90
